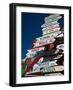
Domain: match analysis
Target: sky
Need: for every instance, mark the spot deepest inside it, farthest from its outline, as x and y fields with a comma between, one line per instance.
x=31, y=29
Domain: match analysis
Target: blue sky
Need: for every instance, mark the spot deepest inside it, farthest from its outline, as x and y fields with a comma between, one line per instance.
x=31, y=29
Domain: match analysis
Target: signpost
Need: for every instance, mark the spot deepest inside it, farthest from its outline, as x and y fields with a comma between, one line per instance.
x=50, y=30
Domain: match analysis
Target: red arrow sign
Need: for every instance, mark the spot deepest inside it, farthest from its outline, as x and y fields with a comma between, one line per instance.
x=32, y=64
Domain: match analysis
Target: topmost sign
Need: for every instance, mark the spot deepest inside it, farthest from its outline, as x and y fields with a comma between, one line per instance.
x=53, y=18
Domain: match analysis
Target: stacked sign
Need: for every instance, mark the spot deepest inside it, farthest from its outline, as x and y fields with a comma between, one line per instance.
x=47, y=54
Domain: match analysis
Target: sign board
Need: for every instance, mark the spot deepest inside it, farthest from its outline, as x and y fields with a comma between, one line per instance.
x=51, y=19
x=47, y=24
x=53, y=68
x=46, y=31
x=48, y=36
x=48, y=63
x=35, y=49
x=43, y=42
